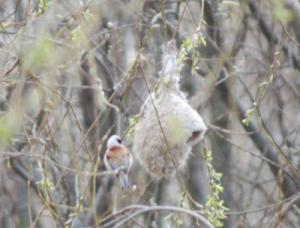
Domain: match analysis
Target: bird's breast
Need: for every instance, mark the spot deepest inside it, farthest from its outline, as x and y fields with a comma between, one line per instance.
x=117, y=151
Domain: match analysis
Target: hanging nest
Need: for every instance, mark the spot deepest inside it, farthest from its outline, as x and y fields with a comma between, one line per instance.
x=168, y=126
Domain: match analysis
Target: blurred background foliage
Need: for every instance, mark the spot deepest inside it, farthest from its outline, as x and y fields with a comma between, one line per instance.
x=71, y=74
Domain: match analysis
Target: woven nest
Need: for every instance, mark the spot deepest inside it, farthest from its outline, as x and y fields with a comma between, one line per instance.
x=168, y=126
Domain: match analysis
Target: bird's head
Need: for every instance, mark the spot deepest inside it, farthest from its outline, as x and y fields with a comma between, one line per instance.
x=114, y=141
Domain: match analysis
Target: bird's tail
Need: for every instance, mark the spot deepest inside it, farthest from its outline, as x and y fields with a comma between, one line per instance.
x=123, y=180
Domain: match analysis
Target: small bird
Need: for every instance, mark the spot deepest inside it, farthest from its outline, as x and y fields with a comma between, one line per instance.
x=118, y=158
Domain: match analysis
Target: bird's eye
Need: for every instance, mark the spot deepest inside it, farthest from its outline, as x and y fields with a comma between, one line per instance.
x=119, y=141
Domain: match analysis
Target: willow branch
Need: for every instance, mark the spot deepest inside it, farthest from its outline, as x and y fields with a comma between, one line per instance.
x=141, y=209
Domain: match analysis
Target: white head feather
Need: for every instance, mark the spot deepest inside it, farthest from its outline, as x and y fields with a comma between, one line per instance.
x=113, y=141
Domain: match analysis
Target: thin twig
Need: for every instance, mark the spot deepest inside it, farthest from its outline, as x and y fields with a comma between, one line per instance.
x=141, y=209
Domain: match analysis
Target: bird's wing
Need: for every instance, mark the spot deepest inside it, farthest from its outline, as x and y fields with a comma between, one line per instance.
x=129, y=161
x=106, y=162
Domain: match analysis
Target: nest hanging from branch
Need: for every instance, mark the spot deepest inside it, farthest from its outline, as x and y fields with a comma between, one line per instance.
x=169, y=126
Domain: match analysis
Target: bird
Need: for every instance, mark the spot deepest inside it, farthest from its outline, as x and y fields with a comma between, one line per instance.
x=118, y=158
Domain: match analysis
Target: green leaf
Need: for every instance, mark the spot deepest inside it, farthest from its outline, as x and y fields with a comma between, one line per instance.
x=249, y=114
x=280, y=12
x=214, y=208
x=40, y=54
x=10, y=123
x=80, y=35
x=43, y=6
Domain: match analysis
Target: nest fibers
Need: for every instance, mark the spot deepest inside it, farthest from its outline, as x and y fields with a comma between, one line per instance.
x=169, y=126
